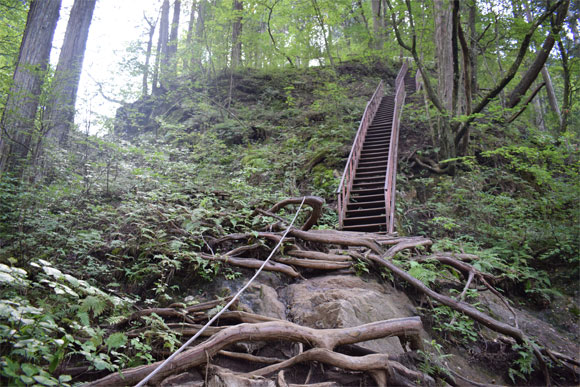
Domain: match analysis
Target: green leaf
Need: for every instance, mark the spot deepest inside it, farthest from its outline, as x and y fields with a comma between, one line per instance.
x=116, y=340
x=29, y=369
x=45, y=380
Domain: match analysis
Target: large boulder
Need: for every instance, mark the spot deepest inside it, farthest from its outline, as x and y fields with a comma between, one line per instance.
x=347, y=301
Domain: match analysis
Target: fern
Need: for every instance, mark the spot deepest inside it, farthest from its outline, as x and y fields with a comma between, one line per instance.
x=94, y=304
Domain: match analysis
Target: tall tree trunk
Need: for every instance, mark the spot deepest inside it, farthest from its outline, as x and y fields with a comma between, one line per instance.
x=162, y=58
x=17, y=123
x=174, y=37
x=152, y=25
x=567, y=95
x=61, y=107
x=536, y=67
x=546, y=76
x=473, y=47
x=378, y=24
x=236, y=59
x=445, y=52
x=322, y=26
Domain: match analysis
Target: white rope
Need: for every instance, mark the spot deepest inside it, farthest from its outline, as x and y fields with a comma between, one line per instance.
x=156, y=370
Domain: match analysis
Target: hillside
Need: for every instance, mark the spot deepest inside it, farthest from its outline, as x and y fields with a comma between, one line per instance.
x=106, y=266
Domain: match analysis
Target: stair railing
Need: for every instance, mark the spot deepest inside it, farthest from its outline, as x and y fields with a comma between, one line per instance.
x=345, y=186
x=391, y=173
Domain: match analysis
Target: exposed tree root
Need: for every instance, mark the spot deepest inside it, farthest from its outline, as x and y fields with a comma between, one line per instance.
x=374, y=362
x=322, y=250
x=253, y=264
x=407, y=328
x=314, y=202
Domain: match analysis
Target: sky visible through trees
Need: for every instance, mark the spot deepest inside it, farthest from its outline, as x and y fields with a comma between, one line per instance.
x=115, y=24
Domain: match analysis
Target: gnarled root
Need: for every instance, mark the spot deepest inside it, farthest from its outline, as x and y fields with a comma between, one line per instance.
x=407, y=328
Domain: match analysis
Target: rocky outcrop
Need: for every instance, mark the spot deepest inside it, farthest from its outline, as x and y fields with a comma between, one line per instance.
x=336, y=301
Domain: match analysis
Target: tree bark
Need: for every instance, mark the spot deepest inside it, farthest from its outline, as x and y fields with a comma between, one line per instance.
x=511, y=72
x=540, y=60
x=236, y=59
x=17, y=123
x=320, y=21
x=444, y=51
x=152, y=25
x=408, y=328
x=61, y=108
x=567, y=94
x=546, y=75
x=378, y=24
x=174, y=38
x=162, y=59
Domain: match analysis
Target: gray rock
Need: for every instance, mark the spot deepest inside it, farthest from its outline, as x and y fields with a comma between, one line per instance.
x=347, y=301
x=263, y=300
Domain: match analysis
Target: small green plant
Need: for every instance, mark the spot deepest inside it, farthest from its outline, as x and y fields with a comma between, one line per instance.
x=361, y=267
x=432, y=362
x=524, y=362
x=450, y=321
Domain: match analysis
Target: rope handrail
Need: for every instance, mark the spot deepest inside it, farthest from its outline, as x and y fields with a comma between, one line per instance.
x=343, y=190
x=225, y=308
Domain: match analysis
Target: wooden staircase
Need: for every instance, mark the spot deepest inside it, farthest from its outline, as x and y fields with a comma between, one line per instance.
x=366, y=203
x=366, y=206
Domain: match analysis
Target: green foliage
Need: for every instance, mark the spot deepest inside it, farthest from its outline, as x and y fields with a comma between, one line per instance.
x=12, y=25
x=524, y=362
x=45, y=319
x=516, y=208
x=432, y=360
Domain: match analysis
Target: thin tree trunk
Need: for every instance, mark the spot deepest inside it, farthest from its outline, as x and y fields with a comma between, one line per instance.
x=174, y=38
x=152, y=26
x=162, y=48
x=17, y=123
x=473, y=48
x=536, y=67
x=378, y=25
x=546, y=75
x=567, y=95
x=236, y=59
x=324, y=33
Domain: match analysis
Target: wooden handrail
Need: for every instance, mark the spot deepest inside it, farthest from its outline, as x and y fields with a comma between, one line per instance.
x=391, y=173
x=345, y=186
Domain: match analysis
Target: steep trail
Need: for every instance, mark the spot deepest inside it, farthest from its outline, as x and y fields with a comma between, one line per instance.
x=368, y=184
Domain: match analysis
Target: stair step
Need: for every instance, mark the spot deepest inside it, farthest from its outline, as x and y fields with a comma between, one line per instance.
x=366, y=205
x=361, y=177
x=366, y=154
x=374, y=156
x=378, y=227
x=368, y=186
x=376, y=137
x=382, y=167
x=378, y=142
x=376, y=176
x=353, y=214
x=363, y=221
x=359, y=212
x=365, y=192
x=365, y=199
